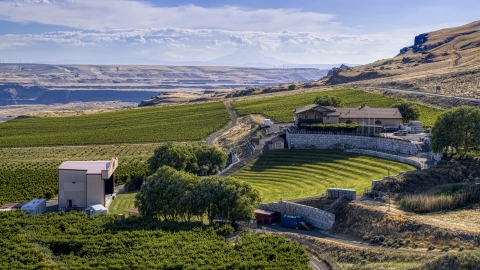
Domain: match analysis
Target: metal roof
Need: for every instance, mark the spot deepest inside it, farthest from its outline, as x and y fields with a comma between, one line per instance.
x=33, y=203
x=91, y=167
x=263, y=212
x=364, y=111
x=12, y=205
x=354, y=113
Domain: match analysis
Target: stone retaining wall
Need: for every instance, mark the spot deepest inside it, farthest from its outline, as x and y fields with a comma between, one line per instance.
x=341, y=193
x=415, y=163
x=331, y=141
x=316, y=217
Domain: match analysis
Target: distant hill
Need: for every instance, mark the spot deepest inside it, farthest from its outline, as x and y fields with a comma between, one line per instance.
x=448, y=58
x=42, y=83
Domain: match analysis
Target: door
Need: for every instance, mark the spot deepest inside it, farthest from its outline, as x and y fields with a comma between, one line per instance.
x=69, y=203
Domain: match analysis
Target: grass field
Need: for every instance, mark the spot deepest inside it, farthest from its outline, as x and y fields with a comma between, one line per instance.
x=280, y=109
x=291, y=174
x=122, y=202
x=158, y=124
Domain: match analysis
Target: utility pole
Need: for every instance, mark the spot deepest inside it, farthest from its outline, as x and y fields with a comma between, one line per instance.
x=389, y=188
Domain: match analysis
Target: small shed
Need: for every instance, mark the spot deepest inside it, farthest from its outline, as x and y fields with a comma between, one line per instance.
x=267, y=217
x=97, y=209
x=11, y=206
x=278, y=143
x=35, y=206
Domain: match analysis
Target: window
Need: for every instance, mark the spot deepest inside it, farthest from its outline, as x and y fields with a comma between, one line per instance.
x=305, y=116
x=348, y=121
x=317, y=117
x=378, y=122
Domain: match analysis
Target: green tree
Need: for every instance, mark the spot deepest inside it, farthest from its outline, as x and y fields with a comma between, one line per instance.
x=328, y=101
x=292, y=87
x=210, y=159
x=166, y=194
x=169, y=154
x=206, y=196
x=194, y=158
x=457, y=129
x=238, y=199
x=226, y=197
x=409, y=111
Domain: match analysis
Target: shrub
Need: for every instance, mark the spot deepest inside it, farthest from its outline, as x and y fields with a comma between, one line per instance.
x=431, y=247
x=446, y=248
x=441, y=198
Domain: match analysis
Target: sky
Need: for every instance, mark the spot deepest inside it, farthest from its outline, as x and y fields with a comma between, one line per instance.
x=299, y=32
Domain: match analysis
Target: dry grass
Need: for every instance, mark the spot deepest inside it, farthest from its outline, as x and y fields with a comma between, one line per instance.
x=442, y=198
x=237, y=136
x=454, y=66
x=359, y=220
x=352, y=257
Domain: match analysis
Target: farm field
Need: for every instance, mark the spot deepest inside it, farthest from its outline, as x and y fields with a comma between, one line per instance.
x=75, y=241
x=28, y=172
x=157, y=124
x=295, y=174
x=280, y=109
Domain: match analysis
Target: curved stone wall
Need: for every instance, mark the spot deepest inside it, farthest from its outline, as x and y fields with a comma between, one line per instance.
x=331, y=141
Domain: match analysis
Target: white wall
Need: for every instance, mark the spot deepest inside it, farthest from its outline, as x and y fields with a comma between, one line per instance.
x=72, y=186
x=95, y=190
x=317, y=217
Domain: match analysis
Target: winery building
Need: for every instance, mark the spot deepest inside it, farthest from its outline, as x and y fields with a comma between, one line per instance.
x=85, y=183
x=363, y=115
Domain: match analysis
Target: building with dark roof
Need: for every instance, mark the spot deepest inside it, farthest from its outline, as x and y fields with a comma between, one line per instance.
x=363, y=115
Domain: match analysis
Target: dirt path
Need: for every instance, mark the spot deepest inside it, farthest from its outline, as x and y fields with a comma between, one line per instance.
x=233, y=115
x=336, y=239
x=317, y=264
x=421, y=93
x=459, y=56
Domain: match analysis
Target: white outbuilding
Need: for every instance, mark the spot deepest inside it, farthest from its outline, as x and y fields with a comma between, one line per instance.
x=35, y=206
x=85, y=183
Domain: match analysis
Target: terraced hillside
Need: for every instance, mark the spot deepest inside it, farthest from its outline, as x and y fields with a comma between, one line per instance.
x=280, y=108
x=294, y=174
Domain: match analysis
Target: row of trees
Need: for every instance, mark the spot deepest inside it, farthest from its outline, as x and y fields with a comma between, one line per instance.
x=194, y=158
x=178, y=195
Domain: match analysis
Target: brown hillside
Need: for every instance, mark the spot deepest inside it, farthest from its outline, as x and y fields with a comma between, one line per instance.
x=449, y=58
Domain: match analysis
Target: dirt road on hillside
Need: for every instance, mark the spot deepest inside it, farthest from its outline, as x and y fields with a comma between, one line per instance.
x=233, y=115
x=336, y=239
x=459, y=56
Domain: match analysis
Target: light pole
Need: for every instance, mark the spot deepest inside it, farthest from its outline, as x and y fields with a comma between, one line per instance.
x=389, y=187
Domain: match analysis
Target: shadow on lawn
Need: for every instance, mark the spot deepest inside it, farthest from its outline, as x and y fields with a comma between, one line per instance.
x=297, y=157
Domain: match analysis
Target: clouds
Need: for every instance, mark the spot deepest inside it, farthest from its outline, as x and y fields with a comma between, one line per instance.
x=94, y=14
x=205, y=44
x=127, y=28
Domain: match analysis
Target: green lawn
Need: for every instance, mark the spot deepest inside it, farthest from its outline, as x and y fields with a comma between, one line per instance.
x=157, y=124
x=281, y=108
x=122, y=202
x=291, y=174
